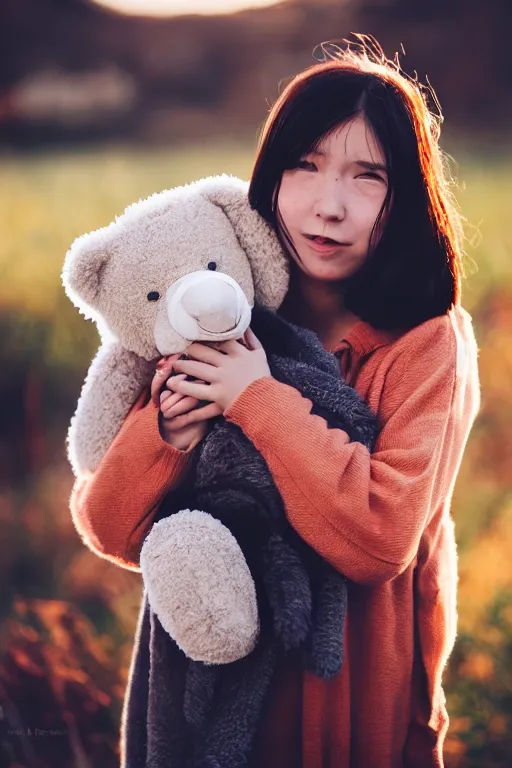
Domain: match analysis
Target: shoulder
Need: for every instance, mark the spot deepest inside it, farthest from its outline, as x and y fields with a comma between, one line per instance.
x=433, y=337
x=433, y=366
x=446, y=341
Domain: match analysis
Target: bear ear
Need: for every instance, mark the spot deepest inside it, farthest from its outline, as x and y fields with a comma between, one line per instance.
x=83, y=268
x=269, y=263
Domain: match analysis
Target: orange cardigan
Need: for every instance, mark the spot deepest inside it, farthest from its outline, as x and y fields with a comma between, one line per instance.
x=382, y=519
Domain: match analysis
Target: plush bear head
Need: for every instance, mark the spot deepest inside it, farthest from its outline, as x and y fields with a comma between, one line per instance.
x=184, y=265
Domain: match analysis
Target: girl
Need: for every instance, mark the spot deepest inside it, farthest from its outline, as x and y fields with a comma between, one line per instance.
x=350, y=175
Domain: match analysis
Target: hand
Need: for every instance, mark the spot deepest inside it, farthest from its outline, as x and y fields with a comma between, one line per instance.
x=182, y=424
x=228, y=368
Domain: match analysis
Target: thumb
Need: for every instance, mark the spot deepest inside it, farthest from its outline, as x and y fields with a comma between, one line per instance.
x=252, y=340
x=166, y=361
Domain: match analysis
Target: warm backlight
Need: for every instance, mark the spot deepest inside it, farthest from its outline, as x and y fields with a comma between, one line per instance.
x=180, y=7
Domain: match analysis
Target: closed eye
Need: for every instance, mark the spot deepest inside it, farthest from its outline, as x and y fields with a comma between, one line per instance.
x=370, y=175
x=305, y=165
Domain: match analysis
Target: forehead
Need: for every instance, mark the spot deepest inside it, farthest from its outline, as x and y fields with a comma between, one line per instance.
x=351, y=142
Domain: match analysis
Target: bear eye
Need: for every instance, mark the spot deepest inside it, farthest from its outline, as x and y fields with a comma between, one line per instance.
x=153, y=296
x=212, y=265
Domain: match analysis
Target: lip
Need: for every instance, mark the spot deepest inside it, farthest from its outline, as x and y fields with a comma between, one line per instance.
x=326, y=250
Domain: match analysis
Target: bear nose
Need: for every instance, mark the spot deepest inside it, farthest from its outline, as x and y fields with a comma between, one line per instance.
x=214, y=304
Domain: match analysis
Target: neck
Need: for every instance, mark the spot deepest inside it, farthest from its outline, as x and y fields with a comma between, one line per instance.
x=317, y=305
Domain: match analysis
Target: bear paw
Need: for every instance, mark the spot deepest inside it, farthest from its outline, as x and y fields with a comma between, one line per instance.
x=200, y=587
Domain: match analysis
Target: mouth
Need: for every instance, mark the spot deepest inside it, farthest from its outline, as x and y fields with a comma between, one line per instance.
x=321, y=240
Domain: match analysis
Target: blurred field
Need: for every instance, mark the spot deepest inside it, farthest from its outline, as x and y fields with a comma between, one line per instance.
x=67, y=616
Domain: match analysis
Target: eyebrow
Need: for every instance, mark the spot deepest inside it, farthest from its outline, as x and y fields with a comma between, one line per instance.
x=369, y=166
x=372, y=166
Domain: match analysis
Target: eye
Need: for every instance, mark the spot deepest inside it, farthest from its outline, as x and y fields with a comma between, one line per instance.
x=153, y=296
x=212, y=265
x=305, y=165
x=370, y=175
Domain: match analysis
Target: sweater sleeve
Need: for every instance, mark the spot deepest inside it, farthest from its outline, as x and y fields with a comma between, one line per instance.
x=114, y=507
x=363, y=512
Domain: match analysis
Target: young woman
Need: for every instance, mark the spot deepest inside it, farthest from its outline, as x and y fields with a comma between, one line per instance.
x=350, y=174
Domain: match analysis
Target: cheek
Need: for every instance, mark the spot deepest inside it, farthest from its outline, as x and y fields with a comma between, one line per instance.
x=290, y=201
x=366, y=214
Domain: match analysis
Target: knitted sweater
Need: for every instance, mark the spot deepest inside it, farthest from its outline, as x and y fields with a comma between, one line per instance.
x=381, y=518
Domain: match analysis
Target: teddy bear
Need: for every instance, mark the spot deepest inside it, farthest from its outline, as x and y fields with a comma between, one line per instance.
x=183, y=265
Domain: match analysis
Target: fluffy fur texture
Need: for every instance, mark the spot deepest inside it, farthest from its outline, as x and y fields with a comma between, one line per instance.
x=301, y=600
x=164, y=246
x=185, y=264
x=221, y=602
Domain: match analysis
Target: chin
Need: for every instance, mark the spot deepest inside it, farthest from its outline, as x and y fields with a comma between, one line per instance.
x=326, y=272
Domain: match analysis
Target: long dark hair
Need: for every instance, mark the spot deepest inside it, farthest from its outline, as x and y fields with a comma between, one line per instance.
x=413, y=269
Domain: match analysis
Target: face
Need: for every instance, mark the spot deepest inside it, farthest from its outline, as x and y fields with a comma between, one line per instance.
x=331, y=200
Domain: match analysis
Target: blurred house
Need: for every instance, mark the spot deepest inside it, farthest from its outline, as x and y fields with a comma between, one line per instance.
x=71, y=100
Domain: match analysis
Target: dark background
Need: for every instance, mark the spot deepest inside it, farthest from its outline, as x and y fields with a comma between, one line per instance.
x=155, y=79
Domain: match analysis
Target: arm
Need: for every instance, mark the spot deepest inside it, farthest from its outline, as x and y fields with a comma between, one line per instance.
x=114, y=507
x=365, y=513
x=114, y=380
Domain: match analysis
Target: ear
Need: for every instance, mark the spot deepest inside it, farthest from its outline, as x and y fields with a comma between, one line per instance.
x=83, y=268
x=269, y=264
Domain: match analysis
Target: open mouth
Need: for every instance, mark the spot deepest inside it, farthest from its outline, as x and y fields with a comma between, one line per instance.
x=320, y=240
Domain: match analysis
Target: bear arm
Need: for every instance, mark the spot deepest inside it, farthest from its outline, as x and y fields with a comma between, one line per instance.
x=114, y=507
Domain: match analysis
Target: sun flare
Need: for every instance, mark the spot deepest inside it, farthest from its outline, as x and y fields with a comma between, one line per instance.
x=181, y=7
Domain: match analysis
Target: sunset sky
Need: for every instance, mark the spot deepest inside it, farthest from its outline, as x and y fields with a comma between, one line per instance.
x=178, y=7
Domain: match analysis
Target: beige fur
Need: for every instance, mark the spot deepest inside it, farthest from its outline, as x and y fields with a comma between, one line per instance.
x=164, y=244
x=223, y=606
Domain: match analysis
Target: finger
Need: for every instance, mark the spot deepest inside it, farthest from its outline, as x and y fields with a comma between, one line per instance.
x=165, y=364
x=157, y=385
x=170, y=398
x=207, y=411
x=200, y=370
x=162, y=371
x=175, y=377
x=252, y=340
x=192, y=388
x=184, y=405
x=230, y=347
x=163, y=360
x=194, y=417
x=205, y=353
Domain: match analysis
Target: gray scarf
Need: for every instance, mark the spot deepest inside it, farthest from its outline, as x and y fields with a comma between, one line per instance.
x=179, y=713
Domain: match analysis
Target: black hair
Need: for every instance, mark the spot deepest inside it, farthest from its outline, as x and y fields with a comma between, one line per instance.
x=413, y=269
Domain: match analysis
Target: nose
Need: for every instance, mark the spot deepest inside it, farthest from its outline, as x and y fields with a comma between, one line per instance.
x=330, y=204
x=214, y=307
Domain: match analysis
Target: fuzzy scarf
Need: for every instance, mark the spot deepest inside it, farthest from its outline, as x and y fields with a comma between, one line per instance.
x=180, y=713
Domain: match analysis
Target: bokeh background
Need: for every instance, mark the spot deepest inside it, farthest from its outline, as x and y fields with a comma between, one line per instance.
x=99, y=108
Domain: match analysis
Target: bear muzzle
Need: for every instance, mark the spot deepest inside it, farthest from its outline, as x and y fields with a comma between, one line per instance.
x=201, y=306
x=215, y=306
